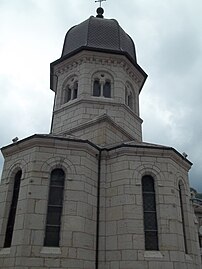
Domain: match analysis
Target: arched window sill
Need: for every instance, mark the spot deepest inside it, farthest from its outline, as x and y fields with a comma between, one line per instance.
x=188, y=257
x=153, y=254
x=69, y=102
x=51, y=250
x=5, y=251
x=103, y=97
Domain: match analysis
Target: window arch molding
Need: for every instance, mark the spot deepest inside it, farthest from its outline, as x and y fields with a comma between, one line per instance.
x=70, y=88
x=18, y=165
x=11, y=177
x=180, y=180
x=58, y=162
x=154, y=171
x=102, y=84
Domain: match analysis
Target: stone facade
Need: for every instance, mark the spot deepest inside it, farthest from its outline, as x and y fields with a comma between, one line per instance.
x=97, y=142
x=37, y=156
x=86, y=107
x=121, y=231
x=122, y=216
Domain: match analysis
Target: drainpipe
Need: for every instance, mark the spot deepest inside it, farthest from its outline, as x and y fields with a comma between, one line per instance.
x=98, y=211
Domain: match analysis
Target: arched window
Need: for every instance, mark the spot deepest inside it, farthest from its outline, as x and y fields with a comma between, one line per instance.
x=12, y=213
x=75, y=90
x=54, y=211
x=68, y=94
x=150, y=217
x=70, y=90
x=96, y=88
x=102, y=84
x=182, y=209
x=107, y=89
x=129, y=96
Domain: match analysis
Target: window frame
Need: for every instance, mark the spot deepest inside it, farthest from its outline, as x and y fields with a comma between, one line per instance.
x=52, y=224
x=70, y=90
x=96, y=88
x=107, y=91
x=103, y=78
x=13, y=210
x=130, y=96
x=150, y=234
x=181, y=190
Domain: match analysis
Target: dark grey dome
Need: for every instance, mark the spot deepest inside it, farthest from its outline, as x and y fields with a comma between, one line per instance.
x=101, y=35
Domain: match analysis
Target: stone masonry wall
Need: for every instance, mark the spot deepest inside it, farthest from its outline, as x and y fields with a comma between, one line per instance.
x=121, y=234
x=122, y=228
x=77, y=244
x=71, y=116
x=83, y=66
x=102, y=134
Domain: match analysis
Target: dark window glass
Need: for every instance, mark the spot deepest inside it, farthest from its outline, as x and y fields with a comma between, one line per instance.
x=96, y=88
x=150, y=218
x=75, y=93
x=54, y=212
x=130, y=100
x=200, y=241
x=57, y=178
x=149, y=202
x=69, y=94
x=55, y=195
x=151, y=237
x=182, y=214
x=107, y=89
x=148, y=184
x=52, y=236
x=12, y=213
x=54, y=215
x=150, y=222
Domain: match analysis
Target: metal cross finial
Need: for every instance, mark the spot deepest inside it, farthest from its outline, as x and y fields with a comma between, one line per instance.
x=100, y=1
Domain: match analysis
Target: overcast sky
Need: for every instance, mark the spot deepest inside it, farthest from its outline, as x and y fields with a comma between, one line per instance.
x=168, y=39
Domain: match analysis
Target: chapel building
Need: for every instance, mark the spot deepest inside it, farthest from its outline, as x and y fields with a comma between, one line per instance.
x=91, y=194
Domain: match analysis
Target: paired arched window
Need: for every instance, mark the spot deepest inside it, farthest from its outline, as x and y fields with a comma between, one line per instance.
x=129, y=96
x=182, y=209
x=102, y=84
x=54, y=211
x=12, y=213
x=71, y=90
x=150, y=216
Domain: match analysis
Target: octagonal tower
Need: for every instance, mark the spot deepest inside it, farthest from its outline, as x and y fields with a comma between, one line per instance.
x=96, y=81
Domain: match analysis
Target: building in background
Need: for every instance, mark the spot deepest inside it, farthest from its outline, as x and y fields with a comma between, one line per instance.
x=91, y=194
x=197, y=204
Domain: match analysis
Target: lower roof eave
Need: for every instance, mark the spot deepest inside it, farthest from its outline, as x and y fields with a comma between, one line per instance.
x=44, y=140
x=55, y=140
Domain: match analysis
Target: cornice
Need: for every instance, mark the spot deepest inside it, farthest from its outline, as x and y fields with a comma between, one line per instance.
x=99, y=119
x=156, y=151
x=99, y=101
x=39, y=140
x=140, y=149
x=103, y=59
